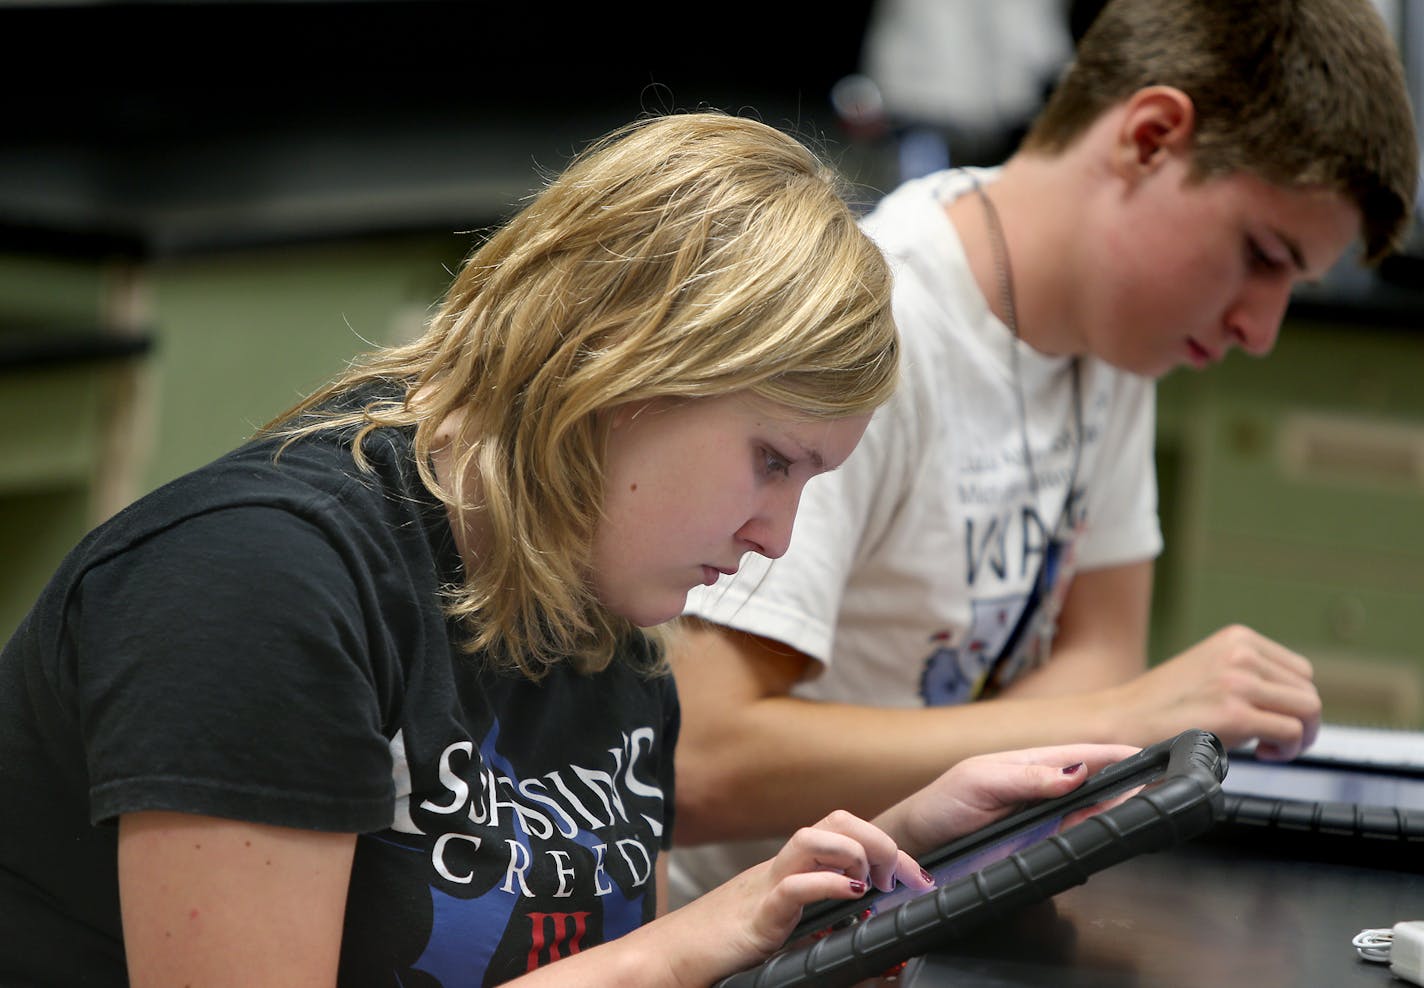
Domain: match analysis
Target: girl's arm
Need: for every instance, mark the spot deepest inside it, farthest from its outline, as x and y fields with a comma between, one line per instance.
x=215, y=902
x=742, y=922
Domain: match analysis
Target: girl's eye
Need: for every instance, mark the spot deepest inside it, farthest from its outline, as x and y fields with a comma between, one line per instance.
x=774, y=463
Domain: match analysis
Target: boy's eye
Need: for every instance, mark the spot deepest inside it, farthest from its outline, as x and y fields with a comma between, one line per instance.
x=774, y=463
x=1257, y=257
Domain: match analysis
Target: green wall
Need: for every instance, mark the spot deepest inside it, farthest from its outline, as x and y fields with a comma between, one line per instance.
x=237, y=337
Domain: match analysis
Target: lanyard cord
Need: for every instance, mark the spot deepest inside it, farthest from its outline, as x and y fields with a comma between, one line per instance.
x=1004, y=273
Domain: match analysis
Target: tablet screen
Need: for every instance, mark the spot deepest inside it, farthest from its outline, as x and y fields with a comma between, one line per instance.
x=1324, y=784
x=969, y=863
x=996, y=842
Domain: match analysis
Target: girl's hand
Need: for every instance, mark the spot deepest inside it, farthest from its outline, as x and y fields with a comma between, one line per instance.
x=749, y=918
x=744, y=921
x=980, y=790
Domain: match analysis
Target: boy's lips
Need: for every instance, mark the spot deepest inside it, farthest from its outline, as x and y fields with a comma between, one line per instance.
x=1199, y=355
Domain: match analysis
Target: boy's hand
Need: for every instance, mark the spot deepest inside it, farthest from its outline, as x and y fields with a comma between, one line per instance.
x=1238, y=684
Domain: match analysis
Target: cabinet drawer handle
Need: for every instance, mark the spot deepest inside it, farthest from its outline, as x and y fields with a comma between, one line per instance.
x=1363, y=451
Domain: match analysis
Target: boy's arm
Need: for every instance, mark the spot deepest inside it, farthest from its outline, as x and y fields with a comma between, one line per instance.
x=1102, y=634
x=753, y=761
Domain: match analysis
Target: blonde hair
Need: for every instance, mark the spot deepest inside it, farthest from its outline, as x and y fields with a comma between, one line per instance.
x=683, y=256
x=1297, y=92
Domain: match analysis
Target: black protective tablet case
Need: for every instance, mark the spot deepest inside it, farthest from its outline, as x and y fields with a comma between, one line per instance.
x=1186, y=801
x=1324, y=829
x=1327, y=820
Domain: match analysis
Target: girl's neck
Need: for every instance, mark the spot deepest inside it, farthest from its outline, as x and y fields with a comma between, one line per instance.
x=466, y=526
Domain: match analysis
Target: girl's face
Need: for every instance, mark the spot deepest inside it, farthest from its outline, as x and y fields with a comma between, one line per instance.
x=693, y=485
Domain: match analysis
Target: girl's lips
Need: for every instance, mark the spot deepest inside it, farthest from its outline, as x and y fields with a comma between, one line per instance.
x=710, y=574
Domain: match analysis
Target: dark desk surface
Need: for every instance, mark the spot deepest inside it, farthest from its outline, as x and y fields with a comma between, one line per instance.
x=1207, y=913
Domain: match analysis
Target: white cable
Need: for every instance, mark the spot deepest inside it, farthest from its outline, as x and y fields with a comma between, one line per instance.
x=1373, y=945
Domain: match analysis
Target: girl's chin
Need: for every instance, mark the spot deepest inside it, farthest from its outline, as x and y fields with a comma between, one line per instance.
x=649, y=615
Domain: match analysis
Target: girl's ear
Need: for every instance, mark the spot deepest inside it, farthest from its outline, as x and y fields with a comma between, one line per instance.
x=620, y=415
x=1159, y=121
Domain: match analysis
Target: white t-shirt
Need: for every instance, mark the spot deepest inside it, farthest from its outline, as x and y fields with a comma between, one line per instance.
x=916, y=573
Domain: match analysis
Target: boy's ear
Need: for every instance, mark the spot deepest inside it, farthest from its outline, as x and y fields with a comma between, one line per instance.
x=1157, y=122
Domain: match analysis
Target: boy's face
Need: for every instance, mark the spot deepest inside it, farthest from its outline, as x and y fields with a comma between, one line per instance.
x=1196, y=269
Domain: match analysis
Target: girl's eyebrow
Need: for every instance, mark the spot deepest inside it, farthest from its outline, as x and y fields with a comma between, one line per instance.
x=810, y=454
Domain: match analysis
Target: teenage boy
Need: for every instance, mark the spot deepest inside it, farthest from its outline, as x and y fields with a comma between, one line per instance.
x=978, y=575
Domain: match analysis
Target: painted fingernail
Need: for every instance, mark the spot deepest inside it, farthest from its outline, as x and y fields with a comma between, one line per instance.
x=857, y=886
x=1073, y=769
x=927, y=876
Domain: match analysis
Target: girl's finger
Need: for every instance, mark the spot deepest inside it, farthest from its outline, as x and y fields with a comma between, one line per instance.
x=878, y=851
x=813, y=849
x=912, y=875
x=1095, y=756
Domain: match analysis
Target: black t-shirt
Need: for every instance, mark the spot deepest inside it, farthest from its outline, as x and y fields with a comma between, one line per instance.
x=264, y=641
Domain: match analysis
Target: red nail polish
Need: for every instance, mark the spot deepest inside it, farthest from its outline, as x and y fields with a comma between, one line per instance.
x=926, y=876
x=1073, y=769
x=856, y=886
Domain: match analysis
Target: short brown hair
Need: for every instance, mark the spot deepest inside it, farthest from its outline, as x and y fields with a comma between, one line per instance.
x=1297, y=92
